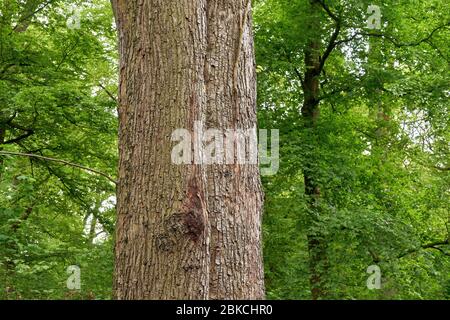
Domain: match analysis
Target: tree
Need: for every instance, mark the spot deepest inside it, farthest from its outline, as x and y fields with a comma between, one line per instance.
x=343, y=194
x=378, y=150
x=185, y=231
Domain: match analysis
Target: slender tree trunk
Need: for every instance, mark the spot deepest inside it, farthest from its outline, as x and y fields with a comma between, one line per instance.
x=317, y=245
x=184, y=231
x=2, y=140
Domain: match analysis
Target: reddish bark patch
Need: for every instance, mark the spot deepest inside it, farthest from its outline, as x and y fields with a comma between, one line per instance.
x=194, y=224
x=190, y=221
x=193, y=218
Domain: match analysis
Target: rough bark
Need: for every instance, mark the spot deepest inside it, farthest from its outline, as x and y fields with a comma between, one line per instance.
x=235, y=196
x=184, y=231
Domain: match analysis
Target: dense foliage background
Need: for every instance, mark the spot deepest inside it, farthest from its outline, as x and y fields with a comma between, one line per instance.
x=380, y=152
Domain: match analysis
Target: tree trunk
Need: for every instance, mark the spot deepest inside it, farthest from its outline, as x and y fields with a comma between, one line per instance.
x=184, y=231
x=317, y=245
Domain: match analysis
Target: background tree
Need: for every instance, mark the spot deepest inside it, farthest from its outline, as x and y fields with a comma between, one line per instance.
x=349, y=178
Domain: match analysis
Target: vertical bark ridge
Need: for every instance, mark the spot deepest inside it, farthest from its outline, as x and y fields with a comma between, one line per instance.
x=235, y=196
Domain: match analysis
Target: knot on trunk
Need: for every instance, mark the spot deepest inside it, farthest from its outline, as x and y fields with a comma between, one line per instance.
x=188, y=222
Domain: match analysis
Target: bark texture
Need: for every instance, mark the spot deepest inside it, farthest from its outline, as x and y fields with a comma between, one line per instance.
x=185, y=231
x=234, y=200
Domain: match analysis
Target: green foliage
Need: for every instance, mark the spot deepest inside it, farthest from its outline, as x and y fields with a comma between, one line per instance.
x=380, y=141
x=56, y=101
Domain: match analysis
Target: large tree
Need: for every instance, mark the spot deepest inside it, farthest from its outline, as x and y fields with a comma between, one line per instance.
x=187, y=231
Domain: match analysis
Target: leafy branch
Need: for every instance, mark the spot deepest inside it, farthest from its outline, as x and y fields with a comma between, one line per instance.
x=433, y=245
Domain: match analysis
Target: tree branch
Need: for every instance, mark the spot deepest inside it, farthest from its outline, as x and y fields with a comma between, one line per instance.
x=19, y=138
x=432, y=245
x=31, y=8
x=107, y=92
x=393, y=40
x=328, y=11
x=441, y=168
x=332, y=42
x=332, y=93
x=59, y=161
x=299, y=75
x=330, y=47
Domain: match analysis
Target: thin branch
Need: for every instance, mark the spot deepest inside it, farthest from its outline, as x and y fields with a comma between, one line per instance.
x=332, y=42
x=441, y=168
x=28, y=131
x=59, y=161
x=435, y=47
x=99, y=233
x=82, y=202
x=299, y=75
x=19, y=138
x=393, y=40
x=332, y=93
x=297, y=72
x=33, y=9
x=432, y=245
x=15, y=125
x=107, y=92
x=330, y=47
x=436, y=167
x=328, y=11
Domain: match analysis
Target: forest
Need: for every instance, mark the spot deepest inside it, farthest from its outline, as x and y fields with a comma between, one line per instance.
x=109, y=188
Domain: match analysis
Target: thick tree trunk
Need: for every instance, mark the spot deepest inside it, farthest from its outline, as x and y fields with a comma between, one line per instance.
x=184, y=231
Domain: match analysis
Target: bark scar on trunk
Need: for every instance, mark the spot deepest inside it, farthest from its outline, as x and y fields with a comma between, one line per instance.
x=164, y=243
x=190, y=221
